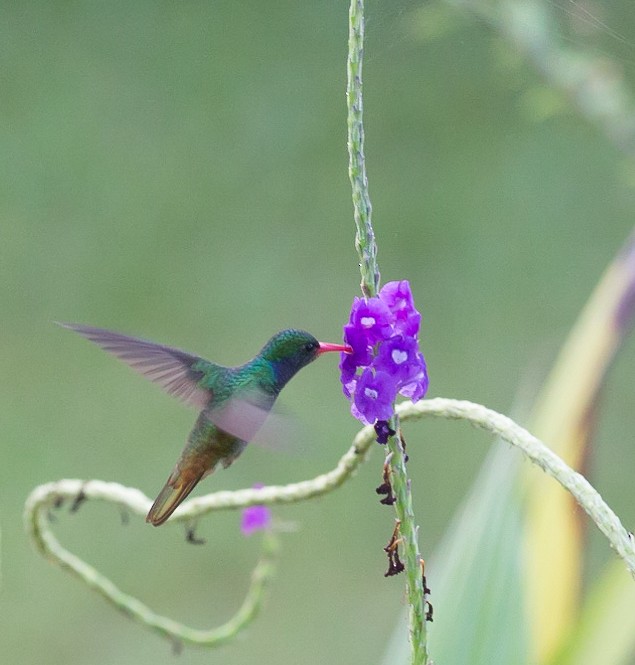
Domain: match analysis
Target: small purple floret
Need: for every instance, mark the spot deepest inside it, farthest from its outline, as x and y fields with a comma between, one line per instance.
x=398, y=298
x=373, y=318
x=374, y=395
x=399, y=356
x=386, y=360
x=383, y=431
x=418, y=386
x=255, y=518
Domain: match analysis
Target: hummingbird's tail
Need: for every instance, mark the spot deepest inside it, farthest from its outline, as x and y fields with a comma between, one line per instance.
x=207, y=446
x=175, y=491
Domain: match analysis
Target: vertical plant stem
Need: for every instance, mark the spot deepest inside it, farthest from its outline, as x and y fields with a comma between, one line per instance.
x=367, y=250
x=412, y=557
x=365, y=237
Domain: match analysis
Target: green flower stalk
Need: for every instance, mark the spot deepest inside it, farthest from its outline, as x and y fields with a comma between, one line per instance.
x=362, y=209
x=367, y=250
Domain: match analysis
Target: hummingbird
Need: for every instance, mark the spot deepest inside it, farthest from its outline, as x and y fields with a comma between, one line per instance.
x=233, y=401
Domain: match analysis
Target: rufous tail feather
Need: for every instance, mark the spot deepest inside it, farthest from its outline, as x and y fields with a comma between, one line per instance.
x=174, y=492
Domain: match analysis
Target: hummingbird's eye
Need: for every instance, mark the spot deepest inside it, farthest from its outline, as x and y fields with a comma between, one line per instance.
x=310, y=346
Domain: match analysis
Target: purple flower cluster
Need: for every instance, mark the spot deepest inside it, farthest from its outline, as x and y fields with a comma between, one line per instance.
x=386, y=360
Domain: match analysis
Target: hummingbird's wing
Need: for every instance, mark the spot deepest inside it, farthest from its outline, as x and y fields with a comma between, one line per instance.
x=176, y=371
x=256, y=423
x=242, y=416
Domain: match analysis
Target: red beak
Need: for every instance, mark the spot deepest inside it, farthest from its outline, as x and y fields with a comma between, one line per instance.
x=325, y=347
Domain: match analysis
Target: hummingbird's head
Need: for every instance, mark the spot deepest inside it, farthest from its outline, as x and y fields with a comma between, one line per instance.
x=290, y=350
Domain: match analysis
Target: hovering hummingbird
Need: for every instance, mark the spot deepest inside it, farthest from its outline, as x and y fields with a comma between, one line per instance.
x=233, y=401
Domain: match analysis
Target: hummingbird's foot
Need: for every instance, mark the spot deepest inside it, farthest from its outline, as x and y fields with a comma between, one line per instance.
x=395, y=566
x=177, y=647
x=125, y=516
x=190, y=536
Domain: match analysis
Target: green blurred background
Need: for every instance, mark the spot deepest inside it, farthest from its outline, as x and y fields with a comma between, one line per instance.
x=179, y=171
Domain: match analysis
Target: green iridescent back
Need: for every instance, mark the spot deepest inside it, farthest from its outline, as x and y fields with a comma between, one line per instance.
x=267, y=373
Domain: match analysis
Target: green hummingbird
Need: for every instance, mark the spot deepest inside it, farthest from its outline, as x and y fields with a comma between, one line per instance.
x=233, y=401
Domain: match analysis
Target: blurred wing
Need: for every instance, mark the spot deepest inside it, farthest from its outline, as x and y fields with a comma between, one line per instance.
x=252, y=420
x=172, y=369
x=242, y=417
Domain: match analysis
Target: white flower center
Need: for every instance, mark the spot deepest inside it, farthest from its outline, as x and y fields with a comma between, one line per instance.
x=367, y=321
x=370, y=393
x=399, y=356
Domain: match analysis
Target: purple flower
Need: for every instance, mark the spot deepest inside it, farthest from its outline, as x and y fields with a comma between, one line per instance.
x=399, y=357
x=374, y=395
x=372, y=317
x=358, y=340
x=360, y=357
x=348, y=386
x=417, y=386
x=255, y=518
x=385, y=360
x=398, y=298
x=383, y=431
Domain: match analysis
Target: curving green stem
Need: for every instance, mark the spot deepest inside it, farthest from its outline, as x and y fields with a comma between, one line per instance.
x=37, y=517
x=44, y=497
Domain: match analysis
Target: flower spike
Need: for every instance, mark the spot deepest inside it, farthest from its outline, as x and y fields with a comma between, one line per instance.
x=384, y=358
